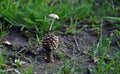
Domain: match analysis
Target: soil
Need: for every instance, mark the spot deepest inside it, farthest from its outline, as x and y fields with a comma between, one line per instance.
x=80, y=45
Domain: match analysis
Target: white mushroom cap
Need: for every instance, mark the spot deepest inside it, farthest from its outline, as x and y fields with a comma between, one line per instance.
x=54, y=16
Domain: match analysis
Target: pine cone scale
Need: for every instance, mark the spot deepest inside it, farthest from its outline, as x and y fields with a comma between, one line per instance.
x=50, y=42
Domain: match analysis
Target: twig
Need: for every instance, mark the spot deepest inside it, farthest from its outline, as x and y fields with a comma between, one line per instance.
x=15, y=70
x=76, y=42
x=79, y=48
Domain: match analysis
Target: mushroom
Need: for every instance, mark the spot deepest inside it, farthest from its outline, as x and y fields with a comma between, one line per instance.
x=53, y=17
x=50, y=41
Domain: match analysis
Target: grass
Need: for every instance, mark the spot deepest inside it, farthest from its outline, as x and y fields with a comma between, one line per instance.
x=1, y=59
x=30, y=13
x=34, y=14
x=101, y=53
x=7, y=70
x=2, y=63
x=3, y=31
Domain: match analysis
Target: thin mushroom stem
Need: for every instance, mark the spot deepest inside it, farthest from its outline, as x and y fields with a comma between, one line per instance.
x=51, y=24
x=49, y=57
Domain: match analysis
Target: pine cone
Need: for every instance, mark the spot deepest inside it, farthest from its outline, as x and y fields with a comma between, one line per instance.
x=49, y=43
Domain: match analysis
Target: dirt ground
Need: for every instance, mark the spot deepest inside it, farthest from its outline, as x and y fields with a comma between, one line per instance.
x=81, y=45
